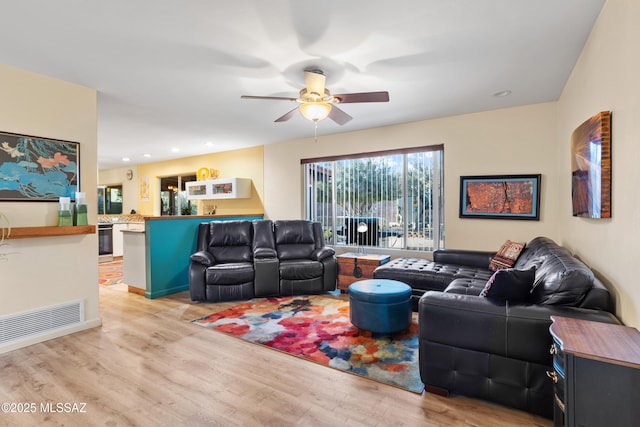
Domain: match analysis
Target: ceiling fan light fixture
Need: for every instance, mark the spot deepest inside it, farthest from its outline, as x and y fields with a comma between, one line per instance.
x=315, y=111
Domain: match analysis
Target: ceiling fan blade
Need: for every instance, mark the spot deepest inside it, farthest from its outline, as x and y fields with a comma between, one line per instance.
x=345, y=98
x=339, y=116
x=286, y=116
x=315, y=82
x=277, y=98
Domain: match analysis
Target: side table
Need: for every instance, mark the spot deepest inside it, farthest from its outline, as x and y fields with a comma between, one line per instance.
x=596, y=373
x=353, y=266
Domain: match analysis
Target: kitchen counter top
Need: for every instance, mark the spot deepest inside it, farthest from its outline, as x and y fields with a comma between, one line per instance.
x=120, y=219
x=201, y=217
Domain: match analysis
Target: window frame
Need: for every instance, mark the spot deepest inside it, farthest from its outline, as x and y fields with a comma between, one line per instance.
x=437, y=208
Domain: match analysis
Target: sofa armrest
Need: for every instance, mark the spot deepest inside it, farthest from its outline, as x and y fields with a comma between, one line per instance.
x=330, y=276
x=266, y=280
x=261, y=253
x=477, y=259
x=204, y=258
x=322, y=253
x=518, y=331
x=197, y=286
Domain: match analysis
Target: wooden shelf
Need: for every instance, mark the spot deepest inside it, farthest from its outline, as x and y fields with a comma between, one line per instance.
x=50, y=231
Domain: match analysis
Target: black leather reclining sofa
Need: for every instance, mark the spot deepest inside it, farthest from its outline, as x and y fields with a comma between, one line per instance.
x=496, y=350
x=237, y=260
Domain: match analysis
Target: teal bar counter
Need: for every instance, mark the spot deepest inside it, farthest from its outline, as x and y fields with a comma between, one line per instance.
x=169, y=242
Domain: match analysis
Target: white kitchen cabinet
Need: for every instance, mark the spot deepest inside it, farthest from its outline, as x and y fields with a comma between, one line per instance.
x=134, y=261
x=117, y=239
x=231, y=188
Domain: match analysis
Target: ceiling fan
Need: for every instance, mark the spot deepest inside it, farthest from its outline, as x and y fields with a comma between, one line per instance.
x=317, y=103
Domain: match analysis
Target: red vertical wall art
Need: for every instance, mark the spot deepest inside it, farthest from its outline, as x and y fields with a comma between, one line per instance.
x=591, y=167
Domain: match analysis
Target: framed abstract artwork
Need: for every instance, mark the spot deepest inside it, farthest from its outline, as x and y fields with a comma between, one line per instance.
x=591, y=167
x=38, y=169
x=500, y=196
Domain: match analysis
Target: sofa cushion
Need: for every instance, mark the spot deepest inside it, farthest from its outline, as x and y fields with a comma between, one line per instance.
x=300, y=269
x=294, y=239
x=510, y=284
x=229, y=274
x=425, y=275
x=230, y=241
x=561, y=279
x=466, y=286
x=507, y=256
x=534, y=253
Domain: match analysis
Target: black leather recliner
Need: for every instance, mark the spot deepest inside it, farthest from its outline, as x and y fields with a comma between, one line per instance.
x=237, y=260
x=222, y=268
x=306, y=266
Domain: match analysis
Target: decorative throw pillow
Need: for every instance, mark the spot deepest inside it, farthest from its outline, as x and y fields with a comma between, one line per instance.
x=507, y=255
x=510, y=284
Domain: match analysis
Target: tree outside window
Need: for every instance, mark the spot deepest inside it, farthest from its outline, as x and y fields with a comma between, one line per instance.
x=397, y=195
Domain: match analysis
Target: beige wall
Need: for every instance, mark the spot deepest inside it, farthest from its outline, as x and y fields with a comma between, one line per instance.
x=42, y=272
x=245, y=163
x=507, y=141
x=605, y=78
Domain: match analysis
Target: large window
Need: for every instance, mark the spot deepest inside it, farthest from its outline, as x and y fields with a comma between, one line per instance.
x=388, y=200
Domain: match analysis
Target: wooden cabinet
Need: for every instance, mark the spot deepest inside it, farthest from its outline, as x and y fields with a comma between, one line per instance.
x=596, y=373
x=354, y=266
x=231, y=188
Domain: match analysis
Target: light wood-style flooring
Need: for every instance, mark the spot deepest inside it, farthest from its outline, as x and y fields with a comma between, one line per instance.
x=149, y=366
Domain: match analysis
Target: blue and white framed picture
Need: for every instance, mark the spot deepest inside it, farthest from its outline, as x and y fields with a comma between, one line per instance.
x=500, y=197
x=38, y=169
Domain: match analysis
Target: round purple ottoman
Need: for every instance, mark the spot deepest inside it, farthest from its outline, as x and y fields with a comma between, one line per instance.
x=380, y=305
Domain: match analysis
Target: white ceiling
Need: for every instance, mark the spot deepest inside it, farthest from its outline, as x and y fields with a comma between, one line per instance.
x=169, y=73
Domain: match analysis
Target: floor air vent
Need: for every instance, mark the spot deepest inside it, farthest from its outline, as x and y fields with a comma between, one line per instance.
x=27, y=324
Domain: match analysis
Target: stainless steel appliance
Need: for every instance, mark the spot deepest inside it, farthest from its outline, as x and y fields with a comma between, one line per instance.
x=105, y=242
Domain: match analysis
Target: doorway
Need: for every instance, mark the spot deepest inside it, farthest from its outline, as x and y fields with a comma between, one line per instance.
x=173, y=197
x=110, y=200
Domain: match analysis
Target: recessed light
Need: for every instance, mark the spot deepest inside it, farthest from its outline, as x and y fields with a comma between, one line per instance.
x=209, y=144
x=126, y=159
x=175, y=150
x=146, y=155
x=502, y=93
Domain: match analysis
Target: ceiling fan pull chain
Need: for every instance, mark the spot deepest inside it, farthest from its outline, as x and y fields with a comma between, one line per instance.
x=316, y=130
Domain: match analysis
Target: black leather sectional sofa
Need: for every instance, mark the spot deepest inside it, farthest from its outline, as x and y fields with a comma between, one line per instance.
x=494, y=349
x=237, y=260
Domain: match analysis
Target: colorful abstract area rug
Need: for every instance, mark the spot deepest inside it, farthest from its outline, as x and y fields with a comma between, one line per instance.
x=318, y=329
x=110, y=273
